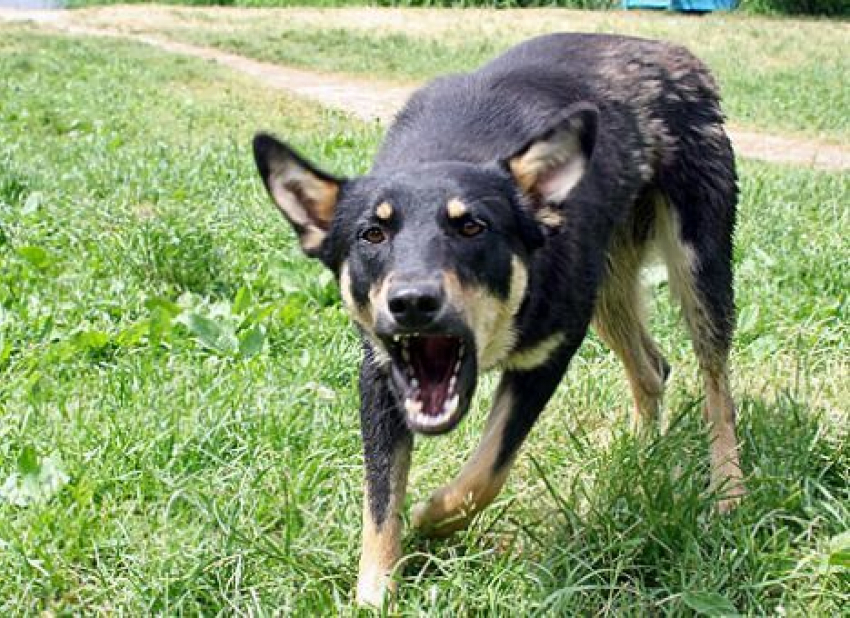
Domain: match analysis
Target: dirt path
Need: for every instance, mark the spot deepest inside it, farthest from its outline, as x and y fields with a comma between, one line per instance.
x=377, y=100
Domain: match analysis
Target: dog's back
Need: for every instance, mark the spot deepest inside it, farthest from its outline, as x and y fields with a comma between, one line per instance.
x=658, y=105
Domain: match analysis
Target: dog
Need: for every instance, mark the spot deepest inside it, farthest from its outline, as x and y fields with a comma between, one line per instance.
x=507, y=211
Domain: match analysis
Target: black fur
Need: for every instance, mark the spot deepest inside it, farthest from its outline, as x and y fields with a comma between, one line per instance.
x=646, y=119
x=383, y=432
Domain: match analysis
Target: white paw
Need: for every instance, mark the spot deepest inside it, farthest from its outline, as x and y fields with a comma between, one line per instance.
x=373, y=586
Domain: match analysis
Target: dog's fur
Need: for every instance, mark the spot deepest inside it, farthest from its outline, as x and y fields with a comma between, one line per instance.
x=507, y=211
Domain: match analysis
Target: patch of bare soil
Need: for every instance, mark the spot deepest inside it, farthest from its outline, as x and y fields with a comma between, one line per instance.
x=366, y=99
x=779, y=149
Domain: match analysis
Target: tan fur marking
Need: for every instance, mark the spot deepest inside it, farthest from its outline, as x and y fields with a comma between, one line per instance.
x=312, y=238
x=382, y=544
x=523, y=173
x=619, y=319
x=550, y=217
x=384, y=211
x=378, y=296
x=361, y=315
x=719, y=412
x=325, y=203
x=306, y=200
x=365, y=315
x=561, y=151
x=456, y=208
x=681, y=264
x=532, y=358
x=452, y=507
x=719, y=409
x=490, y=318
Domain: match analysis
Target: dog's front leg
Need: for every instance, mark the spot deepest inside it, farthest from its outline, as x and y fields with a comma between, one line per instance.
x=520, y=398
x=387, y=444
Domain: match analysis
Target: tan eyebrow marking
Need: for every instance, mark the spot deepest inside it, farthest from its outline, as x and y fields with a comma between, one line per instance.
x=384, y=211
x=456, y=208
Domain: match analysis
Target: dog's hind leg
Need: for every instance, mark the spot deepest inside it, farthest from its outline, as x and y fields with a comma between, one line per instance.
x=387, y=444
x=696, y=242
x=519, y=400
x=619, y=320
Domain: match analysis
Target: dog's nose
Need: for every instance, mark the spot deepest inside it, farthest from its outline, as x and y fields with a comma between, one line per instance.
x=415, y=305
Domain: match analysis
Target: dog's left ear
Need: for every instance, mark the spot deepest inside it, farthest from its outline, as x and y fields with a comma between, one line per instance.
x=550, y=166
x=305, y=195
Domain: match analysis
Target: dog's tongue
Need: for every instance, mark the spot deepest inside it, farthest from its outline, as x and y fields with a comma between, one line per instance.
x=433, y=359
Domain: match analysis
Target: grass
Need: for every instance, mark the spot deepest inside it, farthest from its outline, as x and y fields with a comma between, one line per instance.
x=777, y=75
x=177, y=385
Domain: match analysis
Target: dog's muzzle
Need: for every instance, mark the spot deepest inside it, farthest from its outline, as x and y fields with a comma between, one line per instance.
x=434, y=367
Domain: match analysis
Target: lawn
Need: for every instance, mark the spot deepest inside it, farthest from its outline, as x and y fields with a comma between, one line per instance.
x=777, y=75
x=177, y=390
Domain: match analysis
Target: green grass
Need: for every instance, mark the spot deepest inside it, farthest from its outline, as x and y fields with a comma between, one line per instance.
x=177, y=391
x=777, y=75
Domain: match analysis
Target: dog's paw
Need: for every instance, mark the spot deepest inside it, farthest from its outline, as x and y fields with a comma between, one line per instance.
x=422, y=518
x=728, y=482
x=434, y=522
x=731, y=499
x=375, y=587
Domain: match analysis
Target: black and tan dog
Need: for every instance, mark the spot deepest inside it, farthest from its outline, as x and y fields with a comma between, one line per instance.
x=507, y=211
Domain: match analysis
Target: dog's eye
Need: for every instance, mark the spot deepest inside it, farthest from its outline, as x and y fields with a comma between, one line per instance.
x=471, y=227
x=374, y=235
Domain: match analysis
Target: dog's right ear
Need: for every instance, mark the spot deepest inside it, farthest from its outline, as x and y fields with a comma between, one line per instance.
x=552, y=164
x=305, y=195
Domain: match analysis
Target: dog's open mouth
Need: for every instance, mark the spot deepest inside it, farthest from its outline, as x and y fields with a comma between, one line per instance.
x=434, y=376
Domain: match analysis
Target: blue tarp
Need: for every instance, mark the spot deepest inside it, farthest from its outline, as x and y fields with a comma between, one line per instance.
x=682, y=5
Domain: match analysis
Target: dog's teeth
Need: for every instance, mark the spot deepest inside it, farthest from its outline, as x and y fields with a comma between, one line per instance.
x=457, y=368
x=431, y=420
x=452, y=383
x=414, y=383
x=451, y=405
x=413, y=406
x=405, y=353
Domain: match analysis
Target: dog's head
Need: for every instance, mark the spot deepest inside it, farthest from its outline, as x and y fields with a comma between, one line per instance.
x=432, y=261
